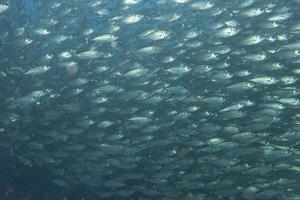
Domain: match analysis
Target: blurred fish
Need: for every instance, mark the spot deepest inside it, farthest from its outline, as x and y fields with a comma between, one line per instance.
x=3, y=8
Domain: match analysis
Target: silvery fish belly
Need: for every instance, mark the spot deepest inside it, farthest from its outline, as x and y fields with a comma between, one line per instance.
x=152, y=99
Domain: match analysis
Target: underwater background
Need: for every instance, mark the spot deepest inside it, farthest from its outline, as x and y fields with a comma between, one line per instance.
x=149, y=99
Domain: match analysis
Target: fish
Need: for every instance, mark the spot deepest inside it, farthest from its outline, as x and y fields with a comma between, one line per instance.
x=132, y=19
x=166, y=99
x=3, y=8
x=105, y=38
x=88, y=54
x=37, y=70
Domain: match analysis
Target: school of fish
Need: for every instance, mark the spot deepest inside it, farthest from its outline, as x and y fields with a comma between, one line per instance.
x=154, y=98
